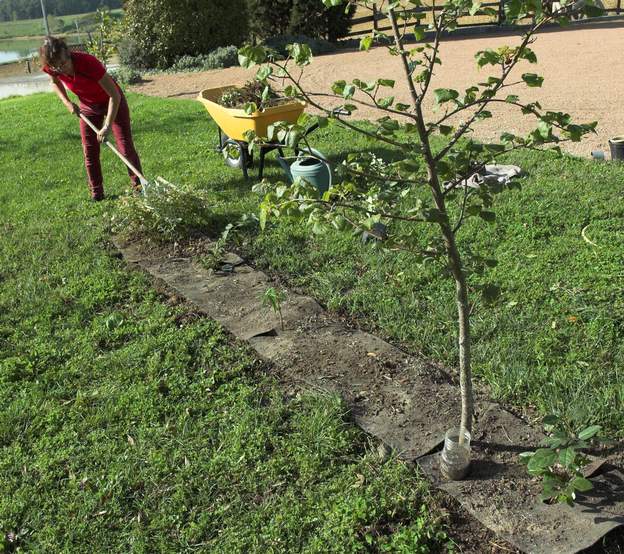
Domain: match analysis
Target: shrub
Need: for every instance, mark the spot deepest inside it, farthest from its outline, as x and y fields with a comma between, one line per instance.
x=126, y=75
x=318, y=46
x=312, y=18
x=162, y=31
x=219, y=58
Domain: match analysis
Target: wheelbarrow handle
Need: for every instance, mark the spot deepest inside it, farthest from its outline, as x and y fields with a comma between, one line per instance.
x=125, y=160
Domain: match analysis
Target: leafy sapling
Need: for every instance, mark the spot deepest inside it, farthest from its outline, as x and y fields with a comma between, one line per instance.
x=433, y=154
x=560, y=463
x=273, y=298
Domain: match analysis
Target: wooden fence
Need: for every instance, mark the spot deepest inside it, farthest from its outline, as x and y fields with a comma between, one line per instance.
x=364, y=24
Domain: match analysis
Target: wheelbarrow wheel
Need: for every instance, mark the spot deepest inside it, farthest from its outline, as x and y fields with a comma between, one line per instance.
x=234, y=154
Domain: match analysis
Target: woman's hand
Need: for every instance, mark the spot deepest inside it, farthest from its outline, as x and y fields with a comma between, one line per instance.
x=103, y=133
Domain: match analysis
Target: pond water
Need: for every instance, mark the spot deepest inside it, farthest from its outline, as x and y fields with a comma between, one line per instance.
x=13, y=50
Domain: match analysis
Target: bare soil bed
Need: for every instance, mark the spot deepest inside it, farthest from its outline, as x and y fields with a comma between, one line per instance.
x=582, y=67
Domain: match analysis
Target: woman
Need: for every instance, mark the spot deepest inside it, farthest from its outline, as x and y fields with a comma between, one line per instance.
x=101, y=101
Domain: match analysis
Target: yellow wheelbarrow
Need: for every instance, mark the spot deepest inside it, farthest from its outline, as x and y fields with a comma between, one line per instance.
x=233, y=123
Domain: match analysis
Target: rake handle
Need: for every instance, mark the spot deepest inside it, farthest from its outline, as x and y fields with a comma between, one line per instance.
x=121, y=156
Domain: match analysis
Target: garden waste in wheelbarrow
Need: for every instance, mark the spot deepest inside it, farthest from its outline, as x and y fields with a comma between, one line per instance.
x=233, y=123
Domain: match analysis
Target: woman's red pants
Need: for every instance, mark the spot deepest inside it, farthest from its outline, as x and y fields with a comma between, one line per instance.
x=123, y=137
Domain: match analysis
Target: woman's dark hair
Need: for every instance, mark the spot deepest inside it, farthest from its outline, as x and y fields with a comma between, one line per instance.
x=52, y=51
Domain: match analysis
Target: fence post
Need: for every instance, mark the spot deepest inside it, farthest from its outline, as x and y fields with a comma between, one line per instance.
x=619, y=7
x=375, y=25
x=501, y=12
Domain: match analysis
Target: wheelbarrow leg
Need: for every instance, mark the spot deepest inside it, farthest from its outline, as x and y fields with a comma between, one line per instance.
x=245, y=158
x=263, y=153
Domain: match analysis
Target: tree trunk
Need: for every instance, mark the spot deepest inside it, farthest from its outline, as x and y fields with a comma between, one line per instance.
x=454, y=258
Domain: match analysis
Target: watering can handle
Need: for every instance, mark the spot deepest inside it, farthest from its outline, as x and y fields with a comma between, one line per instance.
x=320, y=156
x=303, y=152
x=284, y=164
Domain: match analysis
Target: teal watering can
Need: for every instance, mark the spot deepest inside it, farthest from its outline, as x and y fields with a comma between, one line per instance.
x=311, y=165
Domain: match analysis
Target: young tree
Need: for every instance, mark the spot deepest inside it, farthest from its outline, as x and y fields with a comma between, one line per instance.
x=436, y=153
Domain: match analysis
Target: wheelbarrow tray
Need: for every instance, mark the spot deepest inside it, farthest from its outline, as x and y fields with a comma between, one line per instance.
x=235, y=122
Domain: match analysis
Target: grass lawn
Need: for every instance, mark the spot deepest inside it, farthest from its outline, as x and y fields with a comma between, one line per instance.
x=555, y=338
x=129, y=424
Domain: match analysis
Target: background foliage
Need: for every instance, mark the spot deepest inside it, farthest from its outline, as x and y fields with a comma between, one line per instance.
x=158, y=32
x=11, y=10
x=268, y=19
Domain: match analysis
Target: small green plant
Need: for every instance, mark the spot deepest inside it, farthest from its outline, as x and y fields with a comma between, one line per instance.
x=561, y=462
x=214, y=258
x=274, y=298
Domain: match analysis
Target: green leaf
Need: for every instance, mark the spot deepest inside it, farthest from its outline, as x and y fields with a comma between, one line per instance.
x=386, y=83
x=248, y=56
x=419, y=33
x=545, y=129
x=550, y=420
x=301, y=53
x=528, y=55
x=476, y=5
x=567, y=456
x=264, y=72
x=385, y=102
x=487, y=57
x=250, y=108
x=532, y=80
x=445, y=95
x=541, y=461
x=349, y=91
x=581, y=484
x=338, y=87
x=366, y=43
x=589, y=432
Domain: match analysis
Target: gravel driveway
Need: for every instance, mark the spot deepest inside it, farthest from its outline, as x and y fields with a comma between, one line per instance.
x=582, y=65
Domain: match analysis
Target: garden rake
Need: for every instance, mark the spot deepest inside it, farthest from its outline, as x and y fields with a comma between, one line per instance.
x=145, y=184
